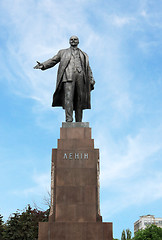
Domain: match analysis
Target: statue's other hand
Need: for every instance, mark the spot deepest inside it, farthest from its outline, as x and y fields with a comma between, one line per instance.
x=38, y=66
x=92, y=82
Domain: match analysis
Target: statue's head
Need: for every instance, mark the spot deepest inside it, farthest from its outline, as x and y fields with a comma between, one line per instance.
x=74, y=41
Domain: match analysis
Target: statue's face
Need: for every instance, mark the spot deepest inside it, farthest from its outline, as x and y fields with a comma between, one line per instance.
x=74, y=41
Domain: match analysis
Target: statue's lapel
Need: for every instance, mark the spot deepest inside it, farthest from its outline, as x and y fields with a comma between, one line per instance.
x=82, y=57
x=67, y=57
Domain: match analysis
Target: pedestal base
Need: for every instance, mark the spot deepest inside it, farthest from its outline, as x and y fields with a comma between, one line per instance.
x=75, y=231
x=75, y=204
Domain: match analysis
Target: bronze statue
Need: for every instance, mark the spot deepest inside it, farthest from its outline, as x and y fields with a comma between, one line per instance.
x=74, y=80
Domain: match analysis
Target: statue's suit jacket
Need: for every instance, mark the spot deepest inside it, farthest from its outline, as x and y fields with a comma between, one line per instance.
x=64, y=56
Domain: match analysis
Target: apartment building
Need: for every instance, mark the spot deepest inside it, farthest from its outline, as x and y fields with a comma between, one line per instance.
x=146, y=220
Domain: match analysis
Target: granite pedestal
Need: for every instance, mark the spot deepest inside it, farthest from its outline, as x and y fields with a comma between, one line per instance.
x=75, y=208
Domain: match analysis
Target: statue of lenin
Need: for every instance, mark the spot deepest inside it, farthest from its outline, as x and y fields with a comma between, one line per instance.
x=74, y=80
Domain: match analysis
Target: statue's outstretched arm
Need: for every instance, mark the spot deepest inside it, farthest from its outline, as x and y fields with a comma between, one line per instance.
x=49, y=63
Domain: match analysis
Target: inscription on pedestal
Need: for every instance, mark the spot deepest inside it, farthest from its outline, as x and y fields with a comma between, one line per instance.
x=75, y=156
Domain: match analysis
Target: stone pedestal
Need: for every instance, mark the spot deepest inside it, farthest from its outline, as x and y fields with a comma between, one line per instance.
x=75, y=211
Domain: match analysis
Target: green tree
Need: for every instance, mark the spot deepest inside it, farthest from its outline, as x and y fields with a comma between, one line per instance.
x=24, y=224
x=1, y=227
x=129, y=234
x=126, y=235
x=123, y=236
x=150, y=233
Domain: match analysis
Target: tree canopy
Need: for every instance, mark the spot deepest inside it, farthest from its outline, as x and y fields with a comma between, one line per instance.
x=1, y=227
x=23, y=224
x=150, y=233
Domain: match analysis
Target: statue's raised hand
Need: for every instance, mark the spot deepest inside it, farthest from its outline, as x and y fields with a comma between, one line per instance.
x=39, y=66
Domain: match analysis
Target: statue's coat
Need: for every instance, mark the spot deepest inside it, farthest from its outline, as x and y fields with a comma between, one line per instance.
x=64, y=56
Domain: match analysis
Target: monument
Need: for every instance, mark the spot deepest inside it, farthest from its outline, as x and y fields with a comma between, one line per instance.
x=74, y=80
x=75, y=205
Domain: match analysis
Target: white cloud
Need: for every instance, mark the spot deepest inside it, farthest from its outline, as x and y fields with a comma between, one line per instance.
x=143, y=13
x=148, y=46
x=122, y=21
x=126, y=169
x=138, y=193
x=129, y=156
x=41, y=185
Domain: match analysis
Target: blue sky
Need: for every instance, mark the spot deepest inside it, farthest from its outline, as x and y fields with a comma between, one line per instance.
x=124, y=42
